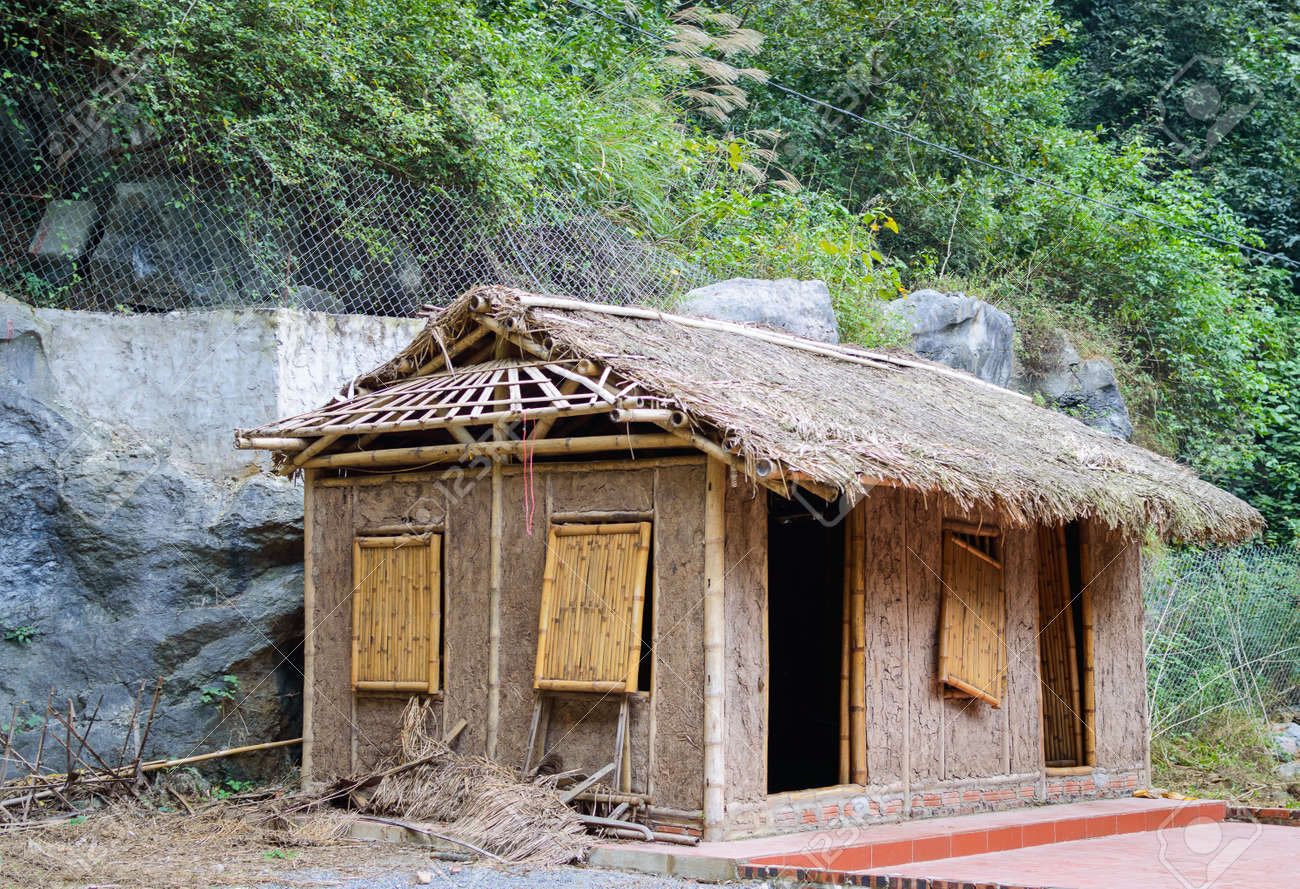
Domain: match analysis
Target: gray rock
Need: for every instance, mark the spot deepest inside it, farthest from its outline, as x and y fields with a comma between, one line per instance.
x=1289, y=770
x=1086, y=390
x=800, y=307
x=125, y=569
x=139, y=544
x=170, y=247
x=1286, y=746
x=961, y=332
x=64, y=230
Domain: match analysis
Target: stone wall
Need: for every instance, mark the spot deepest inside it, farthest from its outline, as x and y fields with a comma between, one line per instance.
x=139, y=544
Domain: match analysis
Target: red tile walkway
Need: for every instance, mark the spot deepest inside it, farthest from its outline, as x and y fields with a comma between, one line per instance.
x=882, y=845
x=1204, y=855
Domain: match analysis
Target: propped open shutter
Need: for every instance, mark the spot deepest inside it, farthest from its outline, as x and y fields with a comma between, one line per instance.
x=396, y=620
x=972, y=651
x=593, y=591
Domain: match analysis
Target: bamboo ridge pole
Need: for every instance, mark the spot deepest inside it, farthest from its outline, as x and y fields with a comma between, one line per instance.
x=715, y=570
x=456, y=452
x=268, y=443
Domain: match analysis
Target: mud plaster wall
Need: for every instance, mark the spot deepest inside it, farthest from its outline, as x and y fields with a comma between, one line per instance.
x=745, y=616
x=349, y=732
x=582, y=727
x=916, y=737
x=1120, y=675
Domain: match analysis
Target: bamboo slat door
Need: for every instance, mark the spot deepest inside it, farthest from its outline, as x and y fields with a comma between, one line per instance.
x=972, y=656
x=396, y=613
x=593, y=594
x=1058, y=653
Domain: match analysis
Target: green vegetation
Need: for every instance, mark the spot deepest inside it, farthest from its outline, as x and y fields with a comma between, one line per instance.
x=504, y=102
x=1225, y=759
x=221, y=692
x=19, y=634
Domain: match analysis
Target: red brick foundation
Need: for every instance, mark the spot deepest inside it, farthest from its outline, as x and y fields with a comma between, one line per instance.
x=840, y=807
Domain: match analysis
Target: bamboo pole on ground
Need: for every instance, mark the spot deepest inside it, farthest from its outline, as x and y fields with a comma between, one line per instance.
x=714, y=651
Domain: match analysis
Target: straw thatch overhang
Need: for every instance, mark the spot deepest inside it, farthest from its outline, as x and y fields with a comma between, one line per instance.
x=832, y=419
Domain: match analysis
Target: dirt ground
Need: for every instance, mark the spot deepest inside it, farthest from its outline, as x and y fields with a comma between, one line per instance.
x=240, y=845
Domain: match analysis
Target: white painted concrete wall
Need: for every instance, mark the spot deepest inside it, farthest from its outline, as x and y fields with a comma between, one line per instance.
x=179, y=384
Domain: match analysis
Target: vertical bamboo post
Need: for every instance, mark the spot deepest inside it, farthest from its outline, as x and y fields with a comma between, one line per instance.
x=652, y=729
x=494, y=614
x=845, y=767
x=858, y=655
x=714, y=650
x=308, y=617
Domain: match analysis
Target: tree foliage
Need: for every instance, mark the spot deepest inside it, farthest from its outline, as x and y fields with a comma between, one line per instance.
x=504, y=101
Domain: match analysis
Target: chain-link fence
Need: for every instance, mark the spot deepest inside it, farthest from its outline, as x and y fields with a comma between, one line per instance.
x=1222, y=634
x=101, y=212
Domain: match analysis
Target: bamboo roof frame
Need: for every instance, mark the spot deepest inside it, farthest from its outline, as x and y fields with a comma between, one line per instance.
x=784, y=410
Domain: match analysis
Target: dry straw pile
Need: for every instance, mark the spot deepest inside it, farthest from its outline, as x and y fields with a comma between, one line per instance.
x=477, y=800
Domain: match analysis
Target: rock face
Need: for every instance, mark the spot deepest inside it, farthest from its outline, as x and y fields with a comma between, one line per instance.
x=961, y=332
x=801, y=307
x=139, y=544
x=1086, y=390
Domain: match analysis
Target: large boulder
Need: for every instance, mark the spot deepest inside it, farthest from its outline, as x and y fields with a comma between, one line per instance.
x=169, y=246
x=122, y=568
x=800, y=307
x=961, y=332
x=139, y=544
x=1084, y=389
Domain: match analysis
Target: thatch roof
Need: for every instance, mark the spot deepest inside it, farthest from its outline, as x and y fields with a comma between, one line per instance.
x=849, y=418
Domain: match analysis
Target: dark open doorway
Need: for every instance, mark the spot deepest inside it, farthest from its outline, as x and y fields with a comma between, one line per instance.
x=805, y=585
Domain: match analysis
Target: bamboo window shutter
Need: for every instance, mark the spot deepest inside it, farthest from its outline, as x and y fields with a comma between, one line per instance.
x=972, y=648
x=593, y=594
x=396, y=613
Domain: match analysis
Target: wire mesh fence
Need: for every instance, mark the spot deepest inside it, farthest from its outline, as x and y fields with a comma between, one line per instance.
x=1222, y=634
x=102, y=212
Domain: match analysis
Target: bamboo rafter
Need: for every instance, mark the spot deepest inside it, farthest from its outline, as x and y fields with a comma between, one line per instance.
x=505, y=390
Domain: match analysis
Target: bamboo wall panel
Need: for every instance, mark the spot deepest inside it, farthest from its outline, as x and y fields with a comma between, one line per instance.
x=329, y=622
x=1119, y=674
x=745, y=615
x=883, y=514
x=972, y=630
x=679, y=637
x=1020, y=704
x=1058, y=654
x=396, y=619
x=593, y=590
x=924, y=547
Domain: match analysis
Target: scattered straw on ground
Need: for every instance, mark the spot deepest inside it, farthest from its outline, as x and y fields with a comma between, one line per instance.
x=137, y=847
x=480, y=802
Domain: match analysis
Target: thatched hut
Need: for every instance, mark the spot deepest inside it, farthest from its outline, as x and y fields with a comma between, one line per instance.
x=756, y=582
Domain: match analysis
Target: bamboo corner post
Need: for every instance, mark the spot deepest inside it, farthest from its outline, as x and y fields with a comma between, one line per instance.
x=858, y=649
x=714, y=651
x=496, y=574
